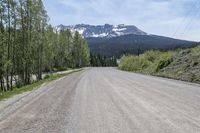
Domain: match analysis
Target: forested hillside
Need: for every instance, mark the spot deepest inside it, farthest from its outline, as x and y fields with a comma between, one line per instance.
x=102, y=61
x=132, y=44
x=179, y=64
x=30, y=46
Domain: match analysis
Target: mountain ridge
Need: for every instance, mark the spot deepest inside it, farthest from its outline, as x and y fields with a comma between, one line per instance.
x=116, y=40
x=130, y=44
x=106, y=30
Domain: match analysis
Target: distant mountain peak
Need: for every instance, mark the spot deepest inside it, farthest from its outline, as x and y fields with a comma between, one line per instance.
x=105, y=30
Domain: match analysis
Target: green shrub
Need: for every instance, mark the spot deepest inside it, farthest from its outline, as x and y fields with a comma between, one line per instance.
x=149, y=62
x=179, y=64
x=133, y=63
x=196, y=49
x=151, y=55
x=47, y=76
x=193, y=77
x=195, y=63
x=164, y=61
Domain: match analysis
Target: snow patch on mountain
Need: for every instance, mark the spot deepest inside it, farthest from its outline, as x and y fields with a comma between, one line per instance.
x=118, y=29
x=101, y=31
x=99, y=35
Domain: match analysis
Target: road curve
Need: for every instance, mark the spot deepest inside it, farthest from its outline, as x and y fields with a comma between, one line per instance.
x=106, y=100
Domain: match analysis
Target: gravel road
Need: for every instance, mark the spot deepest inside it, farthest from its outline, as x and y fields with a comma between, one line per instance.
x=104, y=100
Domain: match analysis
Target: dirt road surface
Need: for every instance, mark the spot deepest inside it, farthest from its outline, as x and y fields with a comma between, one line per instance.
x=104, y=100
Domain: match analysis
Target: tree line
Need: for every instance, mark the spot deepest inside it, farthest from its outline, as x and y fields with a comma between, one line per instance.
x=97, y=60
x=30, y=46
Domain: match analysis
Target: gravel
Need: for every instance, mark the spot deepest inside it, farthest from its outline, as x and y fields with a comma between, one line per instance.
x=104, y=100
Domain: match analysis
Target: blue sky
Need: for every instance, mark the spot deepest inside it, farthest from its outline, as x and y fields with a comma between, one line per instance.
x=173, y=18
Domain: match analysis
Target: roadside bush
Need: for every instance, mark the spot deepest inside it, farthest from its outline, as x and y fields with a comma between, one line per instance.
x=151, y=56
x=47, y=76
x=164, y=60
x=149, y=62
x=133, y=63
x=193, y=77
x=196, y=49
x=179, y=64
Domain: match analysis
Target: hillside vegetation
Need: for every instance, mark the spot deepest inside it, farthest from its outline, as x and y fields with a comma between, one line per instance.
x=179, y=64
x=132, y=44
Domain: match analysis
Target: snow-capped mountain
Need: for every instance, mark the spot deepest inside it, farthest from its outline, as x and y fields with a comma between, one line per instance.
x=117, y=40
x=106, y=30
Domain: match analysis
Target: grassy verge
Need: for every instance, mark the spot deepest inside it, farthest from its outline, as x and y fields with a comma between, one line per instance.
x=48, y=78
x=179, y=64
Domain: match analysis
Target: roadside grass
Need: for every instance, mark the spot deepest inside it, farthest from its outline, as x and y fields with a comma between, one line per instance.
x=149, y=62
x=180, y=64
x=34, y=85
